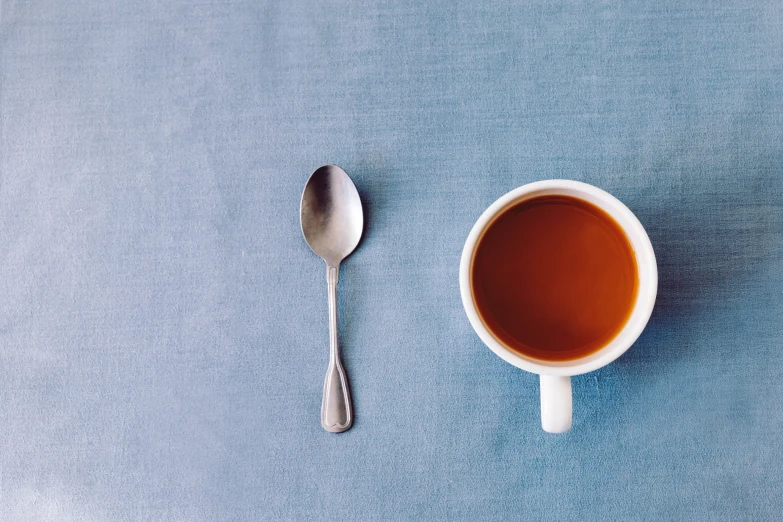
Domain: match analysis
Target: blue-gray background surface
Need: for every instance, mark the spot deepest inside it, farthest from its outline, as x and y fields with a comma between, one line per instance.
x=163, y=326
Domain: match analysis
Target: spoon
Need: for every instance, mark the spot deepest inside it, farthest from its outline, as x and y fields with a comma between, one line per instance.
x=332, y=221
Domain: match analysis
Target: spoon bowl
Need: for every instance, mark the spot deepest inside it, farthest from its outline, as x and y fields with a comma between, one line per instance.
x=331, y=212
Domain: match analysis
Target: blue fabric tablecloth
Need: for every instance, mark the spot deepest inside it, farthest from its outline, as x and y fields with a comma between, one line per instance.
x=163, y=326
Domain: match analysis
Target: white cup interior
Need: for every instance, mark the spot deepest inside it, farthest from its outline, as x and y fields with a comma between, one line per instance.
x=645, y=260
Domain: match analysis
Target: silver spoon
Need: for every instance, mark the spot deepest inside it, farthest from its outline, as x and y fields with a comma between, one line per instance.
x=332, y=221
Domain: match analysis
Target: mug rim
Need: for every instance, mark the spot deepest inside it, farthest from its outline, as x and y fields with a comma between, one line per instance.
x=646, y=267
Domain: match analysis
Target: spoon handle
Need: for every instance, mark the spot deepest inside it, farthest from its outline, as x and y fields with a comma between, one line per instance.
x=336, y=414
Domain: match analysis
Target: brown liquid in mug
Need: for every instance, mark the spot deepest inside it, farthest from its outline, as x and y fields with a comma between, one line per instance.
x=554, y=278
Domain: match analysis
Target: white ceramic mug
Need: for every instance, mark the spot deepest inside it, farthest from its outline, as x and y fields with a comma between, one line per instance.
x=556, y=397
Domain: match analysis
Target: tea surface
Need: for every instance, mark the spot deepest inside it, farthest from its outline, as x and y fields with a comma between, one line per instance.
x=554, y=278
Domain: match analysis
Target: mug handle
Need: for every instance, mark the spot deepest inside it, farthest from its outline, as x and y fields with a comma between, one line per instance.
x=556, y=403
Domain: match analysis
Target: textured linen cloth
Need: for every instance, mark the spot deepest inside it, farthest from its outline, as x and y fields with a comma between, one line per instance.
x=163, y=326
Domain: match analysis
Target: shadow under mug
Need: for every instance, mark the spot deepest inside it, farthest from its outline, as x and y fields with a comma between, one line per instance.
x=556, y=398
